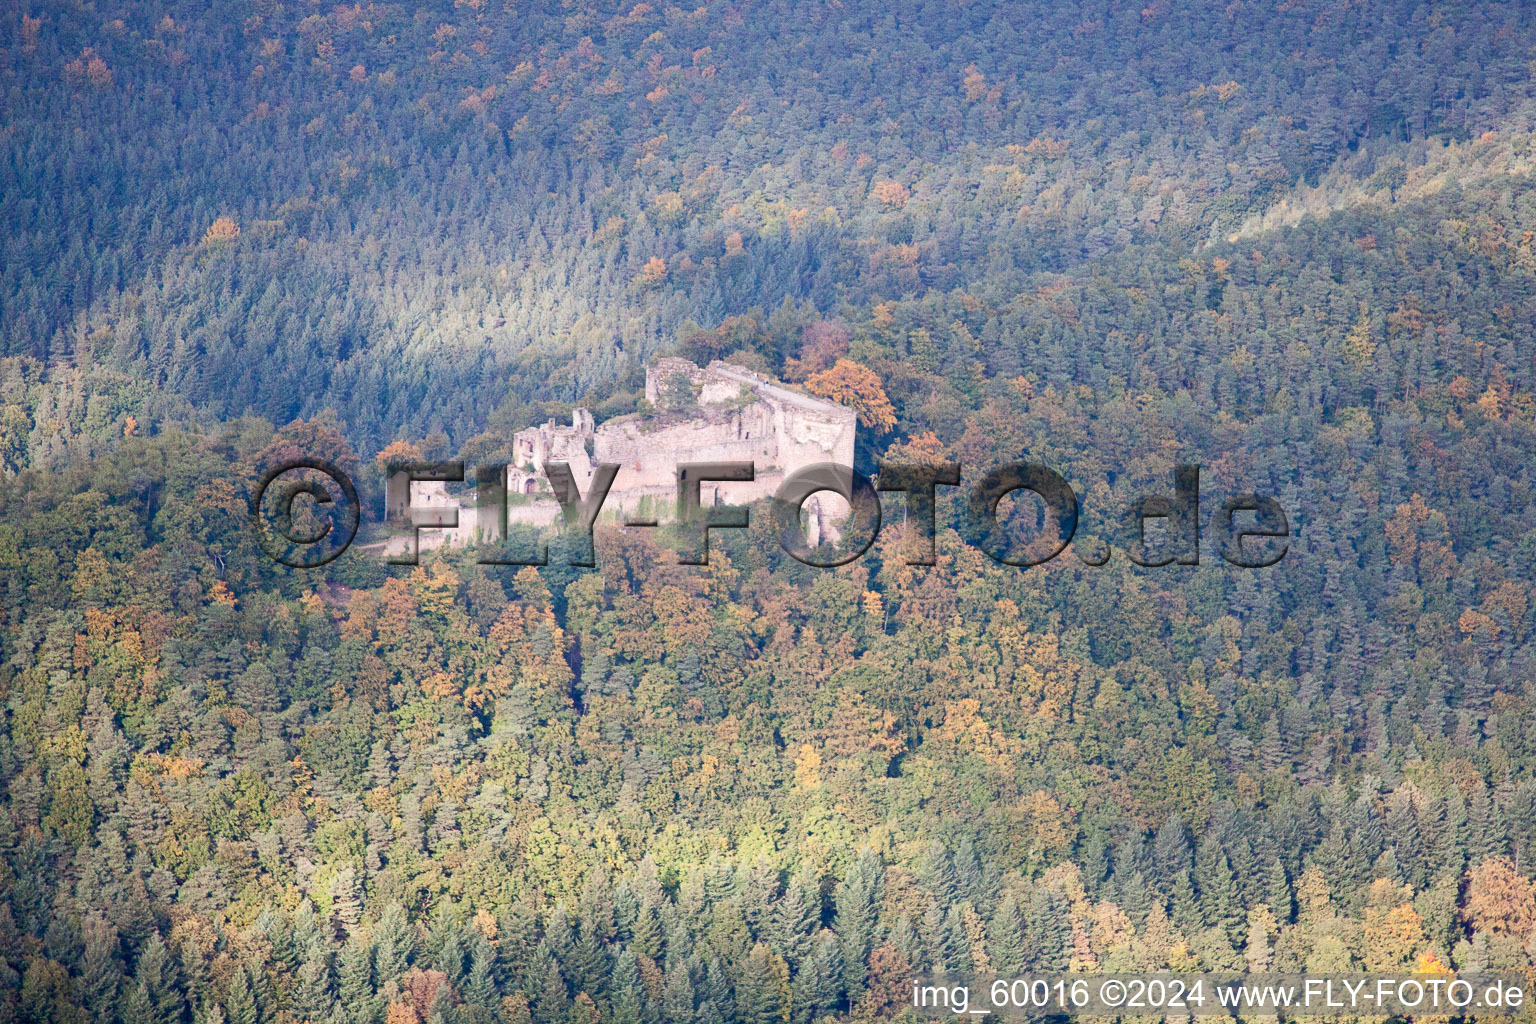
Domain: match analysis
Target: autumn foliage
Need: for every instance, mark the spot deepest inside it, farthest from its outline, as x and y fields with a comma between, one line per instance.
x=653, y=273
x=222, y=230
x=856, y=386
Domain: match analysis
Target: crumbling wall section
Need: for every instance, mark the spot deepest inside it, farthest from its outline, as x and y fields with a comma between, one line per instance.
x=735, y=416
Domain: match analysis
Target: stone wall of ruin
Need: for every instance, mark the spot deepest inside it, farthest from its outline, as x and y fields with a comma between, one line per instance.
x=742, y=417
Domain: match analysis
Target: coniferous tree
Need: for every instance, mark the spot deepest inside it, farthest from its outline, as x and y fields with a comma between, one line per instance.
x=394, y=944
x=480, y=984
x=346, y=900
x=1219, y=900
x=101, y=971
x=828, y=972
x=627, y=995
x=968, y=873
x=1007, y=944
x=551, y=999
x=758, y=998
x=796, y=919
x=239, y=1001
x=156, y=975
x=906, y=941
x=1048, y=930
x=857, y=901
x=310, y=995
x=1170, y=853
x=677, y=998
x=354, y=981
x=937, y=872
x=718, y=1002
x=956, y=950
x=1278, y=891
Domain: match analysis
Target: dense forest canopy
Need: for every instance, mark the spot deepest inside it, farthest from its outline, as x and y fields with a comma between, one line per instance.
x=420, y=213
x=1289, y=242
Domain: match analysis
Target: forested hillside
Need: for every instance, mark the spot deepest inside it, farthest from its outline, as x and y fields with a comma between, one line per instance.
x=418, y=213
x=1294, y=243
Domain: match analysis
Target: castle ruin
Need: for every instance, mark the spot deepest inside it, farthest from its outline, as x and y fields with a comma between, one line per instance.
x=716, y=413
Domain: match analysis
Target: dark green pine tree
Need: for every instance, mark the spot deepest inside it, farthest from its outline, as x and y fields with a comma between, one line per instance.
x=1135, y=896
x=719, y=880
x=857, y=901
x=590, y=964
x=395, y=944
x=935, y=946
x=1095, y=862
x=957, y=943
x=759, y=886
x=627, y=995
x=646, y=932
x=154, y=996
x=1047, y=930
x=309, y=939
x=937, y=872
x=677, y=997
x=1402, y=826
x=830, y=970
x=1277, y=891
x=969, y=879
x=1170, y=854
x=909, y=943
x=596, y=908
x=516, y=936
x=1486, y=834
x=480, y=988
x=1007, y=943
x=101, y=968
x=239, y=1000
x=347, y=900
x=807, y=990
x=137, y=1005
x=796, y=919
x=279, y=931
x=1220, y=903
x=1365, y=842
x=758, y=999
x=1450, y=855
x=1521, y=815
x=443, y=1010
x=1245, y=871
x=354, y=971
x=717, y=995
x=561, y=938
x=1184, y=906
x=195, y=978
x=311, y=997
x=445, y=947
x=626, y=909
x=546, y=988
x=31, y=889
x=453, y=956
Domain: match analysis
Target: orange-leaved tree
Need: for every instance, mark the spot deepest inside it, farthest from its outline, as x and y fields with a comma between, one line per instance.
x=222, y=230
x=858, y=387
x=397, y=451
